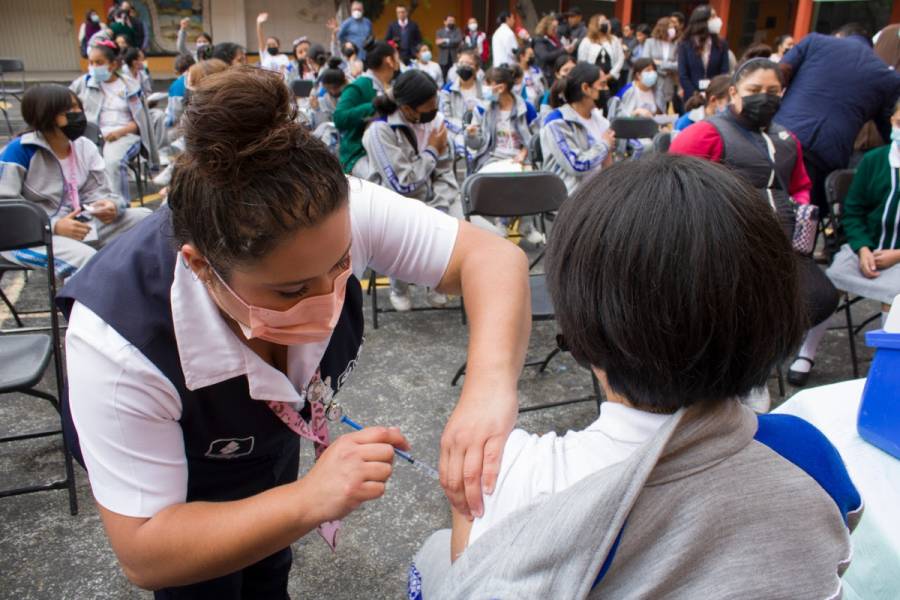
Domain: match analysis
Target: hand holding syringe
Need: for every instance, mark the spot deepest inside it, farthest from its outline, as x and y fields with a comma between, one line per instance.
x=422, y=467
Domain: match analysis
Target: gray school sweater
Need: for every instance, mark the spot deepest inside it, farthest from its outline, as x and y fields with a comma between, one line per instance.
x=719, y=504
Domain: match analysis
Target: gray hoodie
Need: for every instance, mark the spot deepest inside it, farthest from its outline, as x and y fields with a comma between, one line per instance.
x=91, y=94
x=718, y=504
x=569, y=150
x=30, y=171
x=410, y=171
x=482, y=142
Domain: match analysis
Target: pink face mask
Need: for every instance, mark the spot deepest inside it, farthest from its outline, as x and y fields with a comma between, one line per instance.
x=309, y=321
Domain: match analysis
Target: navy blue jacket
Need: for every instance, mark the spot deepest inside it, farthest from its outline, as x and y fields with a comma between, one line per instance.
x=837, y=84
x=690, y=64
x=407, y=39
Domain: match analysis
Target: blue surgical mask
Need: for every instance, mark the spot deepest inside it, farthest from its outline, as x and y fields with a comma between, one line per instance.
x=426, y=56
x=488, y=95
x=648, y=78
x=100, y=73
x=895, y=136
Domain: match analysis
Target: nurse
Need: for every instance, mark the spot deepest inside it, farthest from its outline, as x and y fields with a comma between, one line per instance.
x=205, y=343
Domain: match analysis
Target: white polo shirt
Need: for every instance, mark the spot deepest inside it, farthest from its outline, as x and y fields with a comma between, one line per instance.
x=126, y=411
x=536, y=466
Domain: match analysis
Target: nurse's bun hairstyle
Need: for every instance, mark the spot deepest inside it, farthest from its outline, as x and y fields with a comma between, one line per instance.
x=251, y=174
x=670, y=275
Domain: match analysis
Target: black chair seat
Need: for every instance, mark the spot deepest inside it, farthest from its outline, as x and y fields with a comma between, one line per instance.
x=634, y=128
x=541, y=304
x=23, y=360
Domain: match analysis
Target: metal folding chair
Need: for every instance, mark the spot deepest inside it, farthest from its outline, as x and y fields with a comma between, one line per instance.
x=521, y=195
x=24, y=357
x=8, y=88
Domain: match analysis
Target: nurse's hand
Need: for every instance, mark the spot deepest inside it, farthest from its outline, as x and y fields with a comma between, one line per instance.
x=472, y=446
x=355, y=468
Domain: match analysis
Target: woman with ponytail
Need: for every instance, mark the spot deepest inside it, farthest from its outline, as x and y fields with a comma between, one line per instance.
x=214, y=337
x=576, y=139
x=116, y=104
x=406, y=143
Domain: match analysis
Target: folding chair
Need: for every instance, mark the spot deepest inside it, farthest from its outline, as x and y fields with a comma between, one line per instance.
x=837, y=184
x=521, y=195
x=24, y=357
x=634, y=128
x=7, y=88
x=629, y=129
x=6, y=266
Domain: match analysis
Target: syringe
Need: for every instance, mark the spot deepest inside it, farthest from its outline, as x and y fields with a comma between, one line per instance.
x=422, y=467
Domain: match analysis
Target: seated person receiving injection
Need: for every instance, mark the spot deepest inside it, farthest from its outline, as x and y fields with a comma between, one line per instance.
x=677, y=490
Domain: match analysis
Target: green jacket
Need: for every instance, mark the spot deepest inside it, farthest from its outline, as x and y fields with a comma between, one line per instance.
x=873, y=200
x=353, y=108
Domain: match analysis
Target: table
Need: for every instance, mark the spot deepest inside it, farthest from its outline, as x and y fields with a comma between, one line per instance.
x=874, y=572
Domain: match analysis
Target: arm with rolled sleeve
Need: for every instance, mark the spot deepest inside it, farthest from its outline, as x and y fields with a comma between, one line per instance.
x=410, y=241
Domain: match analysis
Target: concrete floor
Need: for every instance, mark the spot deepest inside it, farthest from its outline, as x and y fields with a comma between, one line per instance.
x=402, y=379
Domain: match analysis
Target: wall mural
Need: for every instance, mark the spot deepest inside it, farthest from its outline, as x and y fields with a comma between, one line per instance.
x=162, y=19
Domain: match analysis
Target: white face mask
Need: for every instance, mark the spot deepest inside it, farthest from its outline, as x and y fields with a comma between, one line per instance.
x=671, y=31
x=356, y=14
x=895, y=136
x=473, y=27
x=714, y=25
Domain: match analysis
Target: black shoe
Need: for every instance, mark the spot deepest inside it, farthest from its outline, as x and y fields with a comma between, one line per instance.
x=799, y=378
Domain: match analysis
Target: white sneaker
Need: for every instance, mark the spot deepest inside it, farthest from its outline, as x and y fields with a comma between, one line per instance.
x=401, y=302
x=436, y=299
x=758, y=399
x=165, y=177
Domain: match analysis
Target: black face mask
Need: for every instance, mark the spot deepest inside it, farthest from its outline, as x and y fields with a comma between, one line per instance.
x=348, y=52
x=758, y=109
x=465, y=73
x=530, y=62
x=76, y=123
x=602, y=100
x=427, y=117
x=272, y=51
x=604, y=28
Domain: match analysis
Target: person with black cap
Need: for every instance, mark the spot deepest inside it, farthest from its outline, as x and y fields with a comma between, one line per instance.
x=573, y=28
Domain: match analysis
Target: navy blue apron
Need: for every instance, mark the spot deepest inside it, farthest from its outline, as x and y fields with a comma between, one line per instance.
x=236, y=446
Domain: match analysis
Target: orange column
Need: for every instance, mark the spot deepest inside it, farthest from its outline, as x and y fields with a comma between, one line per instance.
x=722, y=8
x=623, y=11
x=803, y=19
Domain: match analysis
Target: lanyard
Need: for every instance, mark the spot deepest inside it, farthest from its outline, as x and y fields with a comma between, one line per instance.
x=72, y=180
x=320, y=400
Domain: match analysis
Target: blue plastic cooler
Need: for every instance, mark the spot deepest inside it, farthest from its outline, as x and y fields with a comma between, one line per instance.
x=879, y=411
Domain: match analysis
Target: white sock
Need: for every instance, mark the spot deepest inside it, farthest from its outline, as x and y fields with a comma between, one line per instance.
x=809, y=347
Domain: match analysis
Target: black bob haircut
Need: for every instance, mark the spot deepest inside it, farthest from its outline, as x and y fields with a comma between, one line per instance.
x=42, y=103
x=675, y=278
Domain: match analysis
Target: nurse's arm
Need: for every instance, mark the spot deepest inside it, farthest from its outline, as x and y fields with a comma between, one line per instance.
x=195, y=541
x=492, y=274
